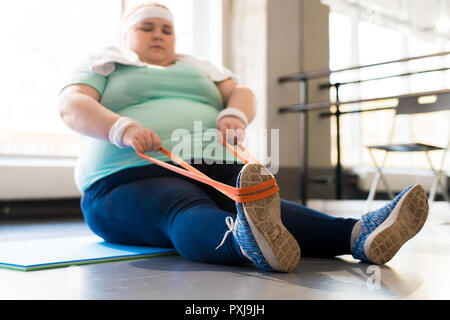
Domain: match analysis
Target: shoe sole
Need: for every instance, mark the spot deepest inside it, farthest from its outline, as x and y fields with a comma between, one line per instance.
x=276, y=243
x=404, y=222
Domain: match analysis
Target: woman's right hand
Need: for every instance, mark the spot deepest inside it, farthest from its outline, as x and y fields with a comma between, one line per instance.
x=141, y=139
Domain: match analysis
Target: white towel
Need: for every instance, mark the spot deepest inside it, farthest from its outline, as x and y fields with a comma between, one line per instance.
x=103, y=62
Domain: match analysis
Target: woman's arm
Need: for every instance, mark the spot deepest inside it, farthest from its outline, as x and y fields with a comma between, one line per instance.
x=238, y=96
x=81, y=111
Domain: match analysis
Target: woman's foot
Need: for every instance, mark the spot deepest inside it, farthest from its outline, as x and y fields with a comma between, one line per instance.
x=259, y=230
x=385, y=230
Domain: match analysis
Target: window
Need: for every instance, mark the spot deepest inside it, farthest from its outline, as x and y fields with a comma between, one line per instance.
x=43, y=41
x=357, y=38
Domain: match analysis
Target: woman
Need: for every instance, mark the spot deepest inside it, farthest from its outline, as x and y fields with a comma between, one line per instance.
x=131, y=99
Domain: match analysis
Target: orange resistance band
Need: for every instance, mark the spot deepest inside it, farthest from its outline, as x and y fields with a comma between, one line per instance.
x=237, y=194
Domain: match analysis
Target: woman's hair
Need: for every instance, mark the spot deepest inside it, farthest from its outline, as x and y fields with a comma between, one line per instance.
x=148, y=4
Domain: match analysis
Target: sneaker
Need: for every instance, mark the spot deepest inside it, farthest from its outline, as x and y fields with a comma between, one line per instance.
x=258, y=227
x=385, y=230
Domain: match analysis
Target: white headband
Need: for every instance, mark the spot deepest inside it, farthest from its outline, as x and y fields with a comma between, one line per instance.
x=146, y=13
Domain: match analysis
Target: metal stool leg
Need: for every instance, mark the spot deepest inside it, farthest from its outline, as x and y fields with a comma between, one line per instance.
x=378, y=176
x=444, y=192
x=436, y=181
x=441, y=167
x=372, y=191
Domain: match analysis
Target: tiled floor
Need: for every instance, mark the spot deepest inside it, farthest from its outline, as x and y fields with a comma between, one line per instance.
x=418, y=271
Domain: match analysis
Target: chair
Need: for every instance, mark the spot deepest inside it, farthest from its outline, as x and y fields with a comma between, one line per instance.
x=413, y=104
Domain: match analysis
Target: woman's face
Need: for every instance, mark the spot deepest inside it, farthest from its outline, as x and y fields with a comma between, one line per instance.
x=153, y=40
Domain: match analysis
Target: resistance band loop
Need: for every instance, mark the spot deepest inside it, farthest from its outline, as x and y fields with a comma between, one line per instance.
x=237, y=194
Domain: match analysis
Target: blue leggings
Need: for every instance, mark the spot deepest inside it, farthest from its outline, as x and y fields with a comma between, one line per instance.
x=154, y=206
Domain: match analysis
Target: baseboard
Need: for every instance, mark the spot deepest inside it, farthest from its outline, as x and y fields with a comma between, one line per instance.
x=38, y=209
x=28, y=180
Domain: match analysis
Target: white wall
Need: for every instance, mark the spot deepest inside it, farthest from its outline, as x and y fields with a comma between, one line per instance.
x=267, y=39
x=34, y=178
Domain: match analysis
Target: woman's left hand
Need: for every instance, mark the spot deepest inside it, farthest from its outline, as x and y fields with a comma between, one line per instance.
x=232, y=128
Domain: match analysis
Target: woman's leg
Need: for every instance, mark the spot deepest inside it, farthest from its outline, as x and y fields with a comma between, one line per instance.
x=318, y=234
x=162, y=211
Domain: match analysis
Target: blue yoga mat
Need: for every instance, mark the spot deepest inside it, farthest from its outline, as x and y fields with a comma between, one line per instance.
x=28, y=255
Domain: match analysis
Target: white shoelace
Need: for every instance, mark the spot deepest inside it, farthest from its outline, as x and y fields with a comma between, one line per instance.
x=232, y=228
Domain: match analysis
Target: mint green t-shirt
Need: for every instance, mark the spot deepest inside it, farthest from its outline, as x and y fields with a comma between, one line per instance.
x=180, y=103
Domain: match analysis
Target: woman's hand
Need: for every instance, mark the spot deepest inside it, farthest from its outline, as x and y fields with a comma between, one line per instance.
x=141, y=139
x=232, y=128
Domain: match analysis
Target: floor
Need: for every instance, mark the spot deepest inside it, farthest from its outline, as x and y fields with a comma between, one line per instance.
x=418, y=271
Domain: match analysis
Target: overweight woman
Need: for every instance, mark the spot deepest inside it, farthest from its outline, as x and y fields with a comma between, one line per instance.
x=131, y=99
